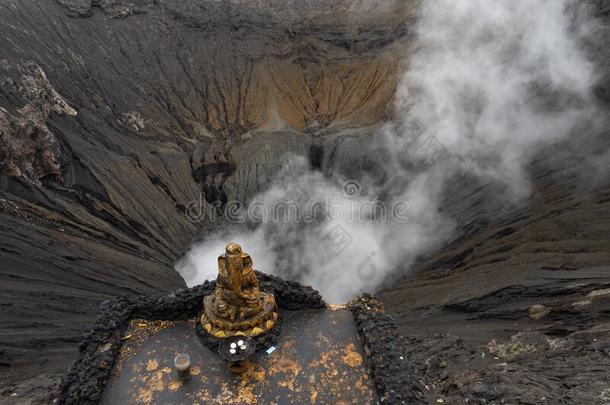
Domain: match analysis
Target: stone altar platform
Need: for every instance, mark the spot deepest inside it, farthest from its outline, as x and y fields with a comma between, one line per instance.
x=318, y=360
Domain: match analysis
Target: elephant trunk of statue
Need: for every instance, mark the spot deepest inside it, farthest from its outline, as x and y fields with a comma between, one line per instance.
x=235, y=266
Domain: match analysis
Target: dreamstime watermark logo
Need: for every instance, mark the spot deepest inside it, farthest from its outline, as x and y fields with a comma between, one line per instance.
x=297, y=206
x=421, y=144
x=351, y=188
x=336, y=238
x=328, y=218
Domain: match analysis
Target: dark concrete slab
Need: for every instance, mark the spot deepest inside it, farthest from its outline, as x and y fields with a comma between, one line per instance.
x=318, y=360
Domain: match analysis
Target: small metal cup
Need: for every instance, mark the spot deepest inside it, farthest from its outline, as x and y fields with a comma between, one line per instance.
x=182, y=362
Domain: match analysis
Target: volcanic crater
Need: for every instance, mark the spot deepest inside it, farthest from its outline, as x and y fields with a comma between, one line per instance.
x=116, y=115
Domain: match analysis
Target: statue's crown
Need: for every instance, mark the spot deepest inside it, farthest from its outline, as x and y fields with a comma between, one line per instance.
x=233, y=248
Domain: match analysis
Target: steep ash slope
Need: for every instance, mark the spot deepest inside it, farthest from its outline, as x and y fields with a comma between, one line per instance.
x=517, y=307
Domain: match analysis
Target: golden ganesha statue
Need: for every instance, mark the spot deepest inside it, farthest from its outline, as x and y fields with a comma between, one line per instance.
x=237, y=306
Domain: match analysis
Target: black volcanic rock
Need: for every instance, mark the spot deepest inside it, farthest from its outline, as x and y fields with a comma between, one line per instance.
x=390, y=366
x=515, y=308
x=87, y=377
x=77, y=8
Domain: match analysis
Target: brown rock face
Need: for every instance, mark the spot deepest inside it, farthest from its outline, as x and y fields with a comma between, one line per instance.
x=29, y=148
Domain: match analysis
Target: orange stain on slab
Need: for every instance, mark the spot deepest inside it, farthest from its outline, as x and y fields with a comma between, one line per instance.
x=152, y=365
x=324, y=364
x=351, y=357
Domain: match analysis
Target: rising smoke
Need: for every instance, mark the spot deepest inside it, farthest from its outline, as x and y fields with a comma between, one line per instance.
x=490, y=83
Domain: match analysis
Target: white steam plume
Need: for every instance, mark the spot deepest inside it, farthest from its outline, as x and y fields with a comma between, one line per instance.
x=491, y=82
